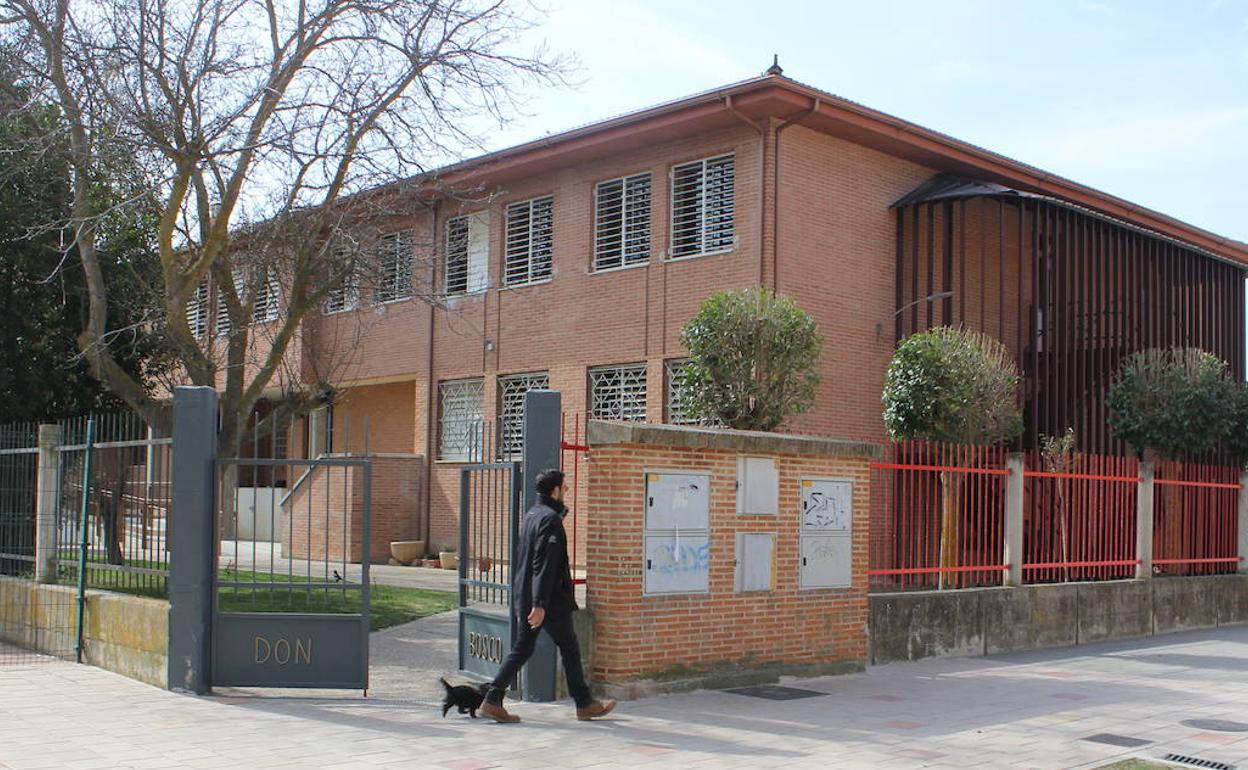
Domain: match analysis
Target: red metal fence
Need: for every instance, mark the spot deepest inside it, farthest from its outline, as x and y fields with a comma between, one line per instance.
x=1079, y=519
x=907, y=520
x=573, y=447
x=1195, y=520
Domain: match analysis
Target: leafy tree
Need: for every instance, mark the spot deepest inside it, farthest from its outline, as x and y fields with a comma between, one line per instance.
x=956, y=386
x=753, y=358
x=1172, y=402
x=43, y=296
x=1237, y=437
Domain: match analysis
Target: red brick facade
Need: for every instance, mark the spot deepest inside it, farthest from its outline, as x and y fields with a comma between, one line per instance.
x=814, y=181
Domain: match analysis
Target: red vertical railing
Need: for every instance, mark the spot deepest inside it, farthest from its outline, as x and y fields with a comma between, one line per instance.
x=908, y=511
x=1196, y=519
x=572, y=450
x=1079, y=523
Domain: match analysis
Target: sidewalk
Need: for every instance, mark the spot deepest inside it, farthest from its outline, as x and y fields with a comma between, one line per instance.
x=1027, y=711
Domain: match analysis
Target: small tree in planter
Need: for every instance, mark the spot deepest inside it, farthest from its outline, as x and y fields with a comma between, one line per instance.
x=752, y=360
x=1058, y=454
x=1172, y=403
x=955, y=386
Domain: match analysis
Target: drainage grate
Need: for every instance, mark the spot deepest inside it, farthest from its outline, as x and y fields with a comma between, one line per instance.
x=1217, y=725
x=1183, y=759
x=776, y=692
x=1125, y=741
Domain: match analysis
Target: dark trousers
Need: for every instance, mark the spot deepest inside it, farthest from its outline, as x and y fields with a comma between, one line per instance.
x=559, y=626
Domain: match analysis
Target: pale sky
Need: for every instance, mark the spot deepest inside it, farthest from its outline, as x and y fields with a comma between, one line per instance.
x=1144, y=100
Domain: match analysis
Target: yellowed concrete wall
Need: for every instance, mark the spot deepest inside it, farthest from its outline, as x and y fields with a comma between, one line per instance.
x=125, y=634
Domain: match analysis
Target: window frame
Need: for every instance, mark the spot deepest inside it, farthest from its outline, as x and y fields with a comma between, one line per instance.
x=482, y=216
x=466, y=446
x=624, y=231
x=642, y=366
x=403, y=238
x=504, y=436
x=505, y=266
x=702, y=229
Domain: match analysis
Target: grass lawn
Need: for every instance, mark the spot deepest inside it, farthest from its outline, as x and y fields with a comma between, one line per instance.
x=1137, y=764
x=389, y=605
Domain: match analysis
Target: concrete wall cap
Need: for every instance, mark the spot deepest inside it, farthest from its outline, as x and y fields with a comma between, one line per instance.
x=604, y=433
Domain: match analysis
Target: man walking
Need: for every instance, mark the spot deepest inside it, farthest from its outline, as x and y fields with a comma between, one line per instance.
x=542, y=598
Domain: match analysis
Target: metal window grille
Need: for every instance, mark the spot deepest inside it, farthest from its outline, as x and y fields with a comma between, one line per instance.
x=223, y=312
x=457, y=255
x=394, y=266
x=702, y=206
x=511, y=392
x=197, y=310
x=677, y=412
x=462, y=419
x=268, y=296
x=622, y=222
x=618, y=392
x=346, y=295
x=530, y=241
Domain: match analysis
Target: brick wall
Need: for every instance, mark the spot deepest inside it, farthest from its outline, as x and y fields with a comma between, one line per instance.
x=641, y=643
x=322, y=517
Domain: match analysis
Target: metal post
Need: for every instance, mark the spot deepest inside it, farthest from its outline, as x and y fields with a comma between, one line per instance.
x=192, y=538
x=1014, y=520
x=45, y=504
x=542, y=413
x=82, y=525
x=1144, y=522
x=1243, y=522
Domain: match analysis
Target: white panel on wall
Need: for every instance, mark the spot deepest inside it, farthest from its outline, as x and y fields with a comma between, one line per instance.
x=755, y=561
x=678, y=501
x=827, y=505
x=758, y=486
x=677, y=564
x=826, y=561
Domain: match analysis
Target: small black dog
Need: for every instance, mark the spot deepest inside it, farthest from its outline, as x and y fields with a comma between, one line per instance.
x=463, y=697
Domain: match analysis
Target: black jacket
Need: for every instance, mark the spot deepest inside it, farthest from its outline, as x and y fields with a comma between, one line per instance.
x=543, y=575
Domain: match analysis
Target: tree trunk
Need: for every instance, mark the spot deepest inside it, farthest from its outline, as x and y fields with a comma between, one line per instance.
x=950, y=526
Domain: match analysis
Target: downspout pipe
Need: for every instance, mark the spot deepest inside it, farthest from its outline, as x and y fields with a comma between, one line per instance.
x=430, y=403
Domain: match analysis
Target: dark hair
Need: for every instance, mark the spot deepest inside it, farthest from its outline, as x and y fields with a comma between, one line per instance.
x=548, y=480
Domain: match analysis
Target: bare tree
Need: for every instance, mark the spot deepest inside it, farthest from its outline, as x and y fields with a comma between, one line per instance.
x=272, y=139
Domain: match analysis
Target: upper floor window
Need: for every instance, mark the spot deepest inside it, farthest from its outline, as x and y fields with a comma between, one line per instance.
x=622, y=222
x=461, y=419
x=223, y=311
x=529, y=241
x=467, y=253
x=197, y=310
x=702, y=207
x=618, y=392
x=394, y=267
x=511, y=392
x=268, y=294
x=345, y=295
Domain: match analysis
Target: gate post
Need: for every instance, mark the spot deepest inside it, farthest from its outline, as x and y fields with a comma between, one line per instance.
x=192, y=538
x=1144, y=522
x=1014, y=520
x=542, y=416
x=45, y=504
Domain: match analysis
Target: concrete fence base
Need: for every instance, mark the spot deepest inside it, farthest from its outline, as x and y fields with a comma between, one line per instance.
x=128, y=635
x=988, y=621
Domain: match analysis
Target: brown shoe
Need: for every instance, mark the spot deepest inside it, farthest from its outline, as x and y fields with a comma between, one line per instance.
x=599, y=708
x=496, y=712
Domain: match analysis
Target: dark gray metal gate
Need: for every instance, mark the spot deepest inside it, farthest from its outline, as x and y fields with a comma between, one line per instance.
x=489, y=519
x=291, y=605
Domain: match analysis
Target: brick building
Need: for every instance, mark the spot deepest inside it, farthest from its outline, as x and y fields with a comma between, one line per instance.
x=577, y=258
